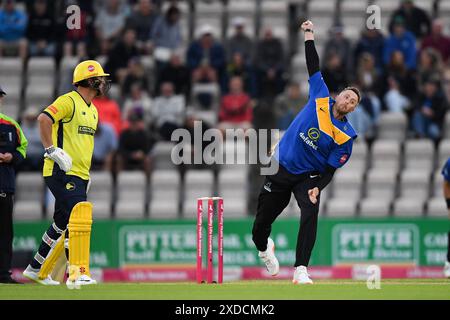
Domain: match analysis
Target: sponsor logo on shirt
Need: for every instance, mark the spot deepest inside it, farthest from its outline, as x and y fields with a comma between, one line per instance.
x=314, y=134
x=86, y=130
x=343, y=158
x=308, y=141
x=53, y=109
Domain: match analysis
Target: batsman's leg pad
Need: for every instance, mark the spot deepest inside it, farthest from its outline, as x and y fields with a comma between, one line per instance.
x=55, y=252
x=79, y=227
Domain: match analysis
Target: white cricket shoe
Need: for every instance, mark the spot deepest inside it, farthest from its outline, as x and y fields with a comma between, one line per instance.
x=33, y=275
x=447, y=269
x=301, y=276
x=83, y=280
x=269, y=259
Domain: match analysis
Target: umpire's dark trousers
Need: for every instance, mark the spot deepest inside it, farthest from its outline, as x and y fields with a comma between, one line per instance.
x=6, y=233
x=274, y=197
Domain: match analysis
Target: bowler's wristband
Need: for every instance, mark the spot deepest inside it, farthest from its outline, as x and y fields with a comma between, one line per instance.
x=448, y=202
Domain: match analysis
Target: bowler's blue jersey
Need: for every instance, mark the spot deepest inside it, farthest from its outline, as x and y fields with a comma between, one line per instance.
x=315, y=138
x=446, y=170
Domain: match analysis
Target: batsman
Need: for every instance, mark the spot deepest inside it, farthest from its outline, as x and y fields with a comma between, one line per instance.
x=67, y=129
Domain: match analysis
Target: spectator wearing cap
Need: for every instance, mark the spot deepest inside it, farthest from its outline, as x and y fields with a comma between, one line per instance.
x=239, y=42
x=430, y=109
x=105, y=147
x=13, y=24
x=416, y=19
x=110, y=22
x=135, y=144
x=142, y=21
x=206, y=57
x=437, y=40
x=338, y=44
x=35, y=152
x=13, y=147
x=402, y=40
x=40, y=30
x=270, y=65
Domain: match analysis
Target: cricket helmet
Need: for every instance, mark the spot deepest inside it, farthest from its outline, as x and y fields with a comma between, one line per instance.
x=88, y=69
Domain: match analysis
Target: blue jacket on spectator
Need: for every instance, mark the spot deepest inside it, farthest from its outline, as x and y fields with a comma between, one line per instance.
x=406, y=44
x=216, y=56
x=12, y=25
x=372, y=45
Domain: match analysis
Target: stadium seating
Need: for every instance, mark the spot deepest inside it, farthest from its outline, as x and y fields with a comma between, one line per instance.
x=131, y=194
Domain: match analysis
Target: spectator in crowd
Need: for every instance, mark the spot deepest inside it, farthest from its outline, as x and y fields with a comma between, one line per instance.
x=40, y=30
x=416, y=19
x=13, y=24
x=269, y=62
x=166, y=35
x=338, y=44
x=430, y=64
x=368, y=115
x=405, y=78
x=371, y=41
x=394, y=100
x=142, y=22
x=239, y=42
x=446, y=82
x=206, y=56
x=120, y=54
x=138, y=101
x=176, y=73
x=35, y=151
x=238, y=67
x=109, y=112
x=110, y=22
x=135, y=75
x=438, y=40
x=236, y=107
x=76, y=39
x=105, y=146
x=334, y=74
x=403, y=41
x=367, y=75
x=206, y=60
x=169, y=111
x=135, y=144
x=288, y=105
x=430, y=109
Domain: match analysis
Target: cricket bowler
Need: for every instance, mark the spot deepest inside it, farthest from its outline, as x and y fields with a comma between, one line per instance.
x=318, y=141
x=67, y=129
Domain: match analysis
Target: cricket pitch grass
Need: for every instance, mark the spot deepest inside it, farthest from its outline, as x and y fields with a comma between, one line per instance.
x=391, y=289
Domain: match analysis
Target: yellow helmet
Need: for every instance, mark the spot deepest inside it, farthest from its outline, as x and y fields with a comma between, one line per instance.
x=88, y=69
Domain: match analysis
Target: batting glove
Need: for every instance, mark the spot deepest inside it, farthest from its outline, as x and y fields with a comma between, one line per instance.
x=58, y=155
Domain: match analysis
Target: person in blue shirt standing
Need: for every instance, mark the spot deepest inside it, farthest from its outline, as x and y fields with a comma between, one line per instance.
x=13, y=24
x=318, y=141
x=446, y=189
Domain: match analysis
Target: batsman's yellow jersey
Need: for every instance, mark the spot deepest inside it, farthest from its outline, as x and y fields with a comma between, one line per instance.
x=74, y=126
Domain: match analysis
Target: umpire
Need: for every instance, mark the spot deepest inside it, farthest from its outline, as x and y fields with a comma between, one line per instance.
x=13, y=145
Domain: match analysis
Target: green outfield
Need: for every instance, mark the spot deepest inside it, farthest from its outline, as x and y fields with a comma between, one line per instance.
x=252, y=290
